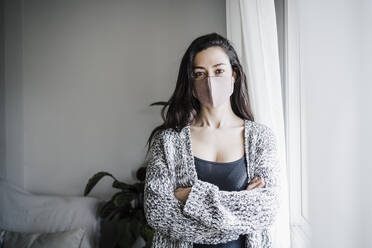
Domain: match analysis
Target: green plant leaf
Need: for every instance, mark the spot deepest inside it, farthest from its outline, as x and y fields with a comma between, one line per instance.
x=118, y=211
x=123, y=199
x=131, y=218
x=147, y=233
x=127, y=237
x=123, y=186
x=94, y=180
x=107, y=209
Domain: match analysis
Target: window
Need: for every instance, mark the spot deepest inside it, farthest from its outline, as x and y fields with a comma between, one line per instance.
x=294, y=122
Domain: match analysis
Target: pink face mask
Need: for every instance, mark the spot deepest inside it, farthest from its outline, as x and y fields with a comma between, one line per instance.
x=214, y=91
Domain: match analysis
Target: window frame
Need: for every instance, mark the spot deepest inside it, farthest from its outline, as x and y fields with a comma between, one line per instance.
x=295, y=126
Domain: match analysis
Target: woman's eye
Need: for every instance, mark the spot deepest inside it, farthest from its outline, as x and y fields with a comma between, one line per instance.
x=219, y=71
x=198, y=74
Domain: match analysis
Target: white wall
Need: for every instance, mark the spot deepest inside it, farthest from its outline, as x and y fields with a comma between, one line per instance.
x=82, y=85
x=334, y=50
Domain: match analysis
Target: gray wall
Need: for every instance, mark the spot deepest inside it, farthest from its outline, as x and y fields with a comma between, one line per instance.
x=2, y=87
x=12, y=157
x=80, y=76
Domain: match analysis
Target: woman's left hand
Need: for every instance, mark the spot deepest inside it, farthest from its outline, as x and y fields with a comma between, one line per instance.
x=182, y=193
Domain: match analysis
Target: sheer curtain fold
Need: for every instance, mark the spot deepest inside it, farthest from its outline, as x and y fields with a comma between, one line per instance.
x=251, y=28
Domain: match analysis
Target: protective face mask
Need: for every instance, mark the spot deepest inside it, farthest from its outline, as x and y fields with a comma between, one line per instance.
x=214, y=91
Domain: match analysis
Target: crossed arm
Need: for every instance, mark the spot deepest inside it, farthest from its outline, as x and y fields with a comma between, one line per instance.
x=210, y=215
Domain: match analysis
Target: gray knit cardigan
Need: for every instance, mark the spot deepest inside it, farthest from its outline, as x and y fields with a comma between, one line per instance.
x=210, y=215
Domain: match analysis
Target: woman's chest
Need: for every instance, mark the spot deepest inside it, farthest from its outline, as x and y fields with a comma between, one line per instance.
x=218, y=146
x=181, y=162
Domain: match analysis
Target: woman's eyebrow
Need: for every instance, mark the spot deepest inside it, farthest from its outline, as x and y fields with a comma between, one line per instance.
x=200, y=67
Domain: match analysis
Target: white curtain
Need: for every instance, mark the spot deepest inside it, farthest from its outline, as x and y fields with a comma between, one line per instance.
x=251, y=28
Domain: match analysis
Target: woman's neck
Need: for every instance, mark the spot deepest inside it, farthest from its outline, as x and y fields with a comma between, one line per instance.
x=217, y=117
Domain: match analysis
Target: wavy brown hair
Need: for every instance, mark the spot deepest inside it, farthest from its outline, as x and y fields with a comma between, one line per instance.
x=183, y=107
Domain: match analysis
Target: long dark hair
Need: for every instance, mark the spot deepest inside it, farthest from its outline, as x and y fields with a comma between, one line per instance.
x=183, y=107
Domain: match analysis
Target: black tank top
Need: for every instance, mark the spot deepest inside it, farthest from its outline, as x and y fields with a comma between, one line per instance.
x=228, y=176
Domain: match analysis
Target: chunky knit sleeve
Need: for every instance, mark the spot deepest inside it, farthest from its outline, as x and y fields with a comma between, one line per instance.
x=241, y=212
x=163, y=210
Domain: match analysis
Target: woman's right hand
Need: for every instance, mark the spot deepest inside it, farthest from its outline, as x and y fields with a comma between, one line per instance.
x=256, y=183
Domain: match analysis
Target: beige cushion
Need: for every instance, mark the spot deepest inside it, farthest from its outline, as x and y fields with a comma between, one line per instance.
x=71, y=238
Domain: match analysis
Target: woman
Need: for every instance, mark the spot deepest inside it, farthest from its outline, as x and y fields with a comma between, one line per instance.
x=212, y=176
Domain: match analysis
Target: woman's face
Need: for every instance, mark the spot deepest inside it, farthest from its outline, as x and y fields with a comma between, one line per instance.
x=212, y=61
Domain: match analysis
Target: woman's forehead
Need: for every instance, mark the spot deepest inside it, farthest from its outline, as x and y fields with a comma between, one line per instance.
x=211, y=57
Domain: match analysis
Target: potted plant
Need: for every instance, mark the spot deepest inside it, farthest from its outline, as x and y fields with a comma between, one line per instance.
x=126, y=207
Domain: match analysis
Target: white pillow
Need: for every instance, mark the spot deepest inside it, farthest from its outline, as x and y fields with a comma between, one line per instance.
x=71, y=239
x=23, y=211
